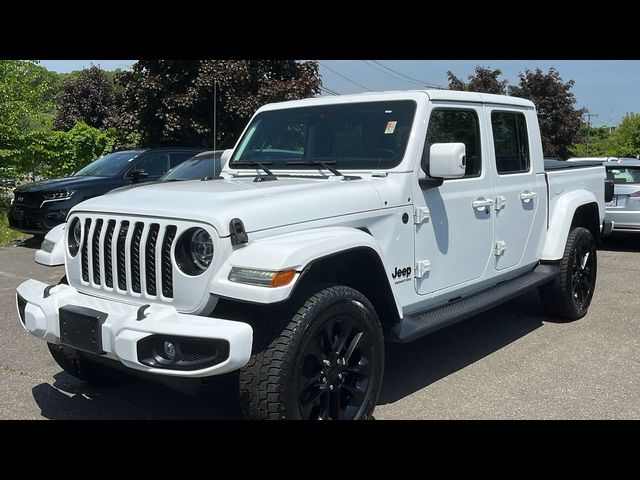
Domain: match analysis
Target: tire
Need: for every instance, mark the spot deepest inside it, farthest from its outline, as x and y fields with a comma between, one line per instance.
x=568, y=297
x=295, y=372
x=91, y=372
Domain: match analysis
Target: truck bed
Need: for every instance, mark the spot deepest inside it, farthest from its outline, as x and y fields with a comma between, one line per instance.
x=550, y=165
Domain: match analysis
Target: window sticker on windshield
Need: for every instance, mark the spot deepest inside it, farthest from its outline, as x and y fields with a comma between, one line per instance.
x=391, y=127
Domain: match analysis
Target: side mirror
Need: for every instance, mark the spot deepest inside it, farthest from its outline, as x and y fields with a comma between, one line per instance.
x=226, y=156
x=447, y=160
x=138, y=176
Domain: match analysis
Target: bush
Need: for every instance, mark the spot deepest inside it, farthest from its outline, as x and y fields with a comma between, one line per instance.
x=53, y=153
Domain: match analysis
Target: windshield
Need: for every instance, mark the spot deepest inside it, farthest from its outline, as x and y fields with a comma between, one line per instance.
x=193, y=169
x=366, y=136
x=624, y=174
x=110, y=165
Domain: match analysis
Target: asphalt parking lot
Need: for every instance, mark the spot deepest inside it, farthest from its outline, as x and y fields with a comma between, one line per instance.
x=511, y=362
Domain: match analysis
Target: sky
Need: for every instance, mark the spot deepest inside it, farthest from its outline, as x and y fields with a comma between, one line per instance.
x=607, y=88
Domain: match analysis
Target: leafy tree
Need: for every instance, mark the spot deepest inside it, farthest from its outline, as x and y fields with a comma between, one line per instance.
x=91, y=98
x=20, y=94
x=20, y=104
x=625, y=139
x=555, y=103
x=483, y=80
x=598, y=138
x=57, y=153
x=171, y=101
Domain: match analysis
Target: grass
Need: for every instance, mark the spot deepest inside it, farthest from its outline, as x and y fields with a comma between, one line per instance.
x=6, y=233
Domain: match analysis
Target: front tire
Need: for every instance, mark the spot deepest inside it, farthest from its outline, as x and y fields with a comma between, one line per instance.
x=568, y=297
x=91, y=372
x=326, y=363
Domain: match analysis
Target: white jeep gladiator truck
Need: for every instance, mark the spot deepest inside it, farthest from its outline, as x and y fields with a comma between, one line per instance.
x=336, y=223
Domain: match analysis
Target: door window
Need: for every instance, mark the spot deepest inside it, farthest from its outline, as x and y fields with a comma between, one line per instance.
x=178, y=157
x=455, y=126
x=155, y=164
x=510, y=142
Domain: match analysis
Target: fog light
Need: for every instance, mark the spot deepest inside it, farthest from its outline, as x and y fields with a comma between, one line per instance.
x=169, y=350
x=181, y=353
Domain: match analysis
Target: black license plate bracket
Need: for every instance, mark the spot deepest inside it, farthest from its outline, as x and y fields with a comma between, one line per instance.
x=81, y=328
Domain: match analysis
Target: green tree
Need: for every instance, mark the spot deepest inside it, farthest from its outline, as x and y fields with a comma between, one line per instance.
x=598, y=138
x=555, y=103
x=171, y=101
x=483, y=80
x=90, y=98
x=21, y=103
x=625, y=139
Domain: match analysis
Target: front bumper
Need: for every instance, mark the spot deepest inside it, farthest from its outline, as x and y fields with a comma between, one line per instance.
x=36, y=221
x=121, y=331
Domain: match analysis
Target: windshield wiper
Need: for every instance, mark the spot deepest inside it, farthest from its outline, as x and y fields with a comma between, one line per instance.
x=260, y=178
x=326, y=164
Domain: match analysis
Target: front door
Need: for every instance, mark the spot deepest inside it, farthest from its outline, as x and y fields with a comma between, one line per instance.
x=453, y=245
x=517, y=194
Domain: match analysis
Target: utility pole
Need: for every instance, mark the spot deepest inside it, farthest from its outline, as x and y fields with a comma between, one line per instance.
x=589, y=115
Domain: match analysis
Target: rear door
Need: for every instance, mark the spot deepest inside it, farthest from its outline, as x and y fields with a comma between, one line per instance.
x=517, y=194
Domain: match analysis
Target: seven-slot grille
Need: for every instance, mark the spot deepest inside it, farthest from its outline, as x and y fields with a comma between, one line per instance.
x=128, y=256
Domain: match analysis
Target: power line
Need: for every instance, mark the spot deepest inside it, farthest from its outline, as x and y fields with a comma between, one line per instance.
x=329, y=91
x=390, y=74
x=399, y=73
x=346, y=78
x=422, y=82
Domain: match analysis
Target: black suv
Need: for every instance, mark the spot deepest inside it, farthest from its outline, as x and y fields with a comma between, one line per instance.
x=38, y=207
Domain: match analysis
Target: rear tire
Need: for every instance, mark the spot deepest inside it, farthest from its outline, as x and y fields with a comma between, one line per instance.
x=326, y=361
x=568, y=297
x=91, y=372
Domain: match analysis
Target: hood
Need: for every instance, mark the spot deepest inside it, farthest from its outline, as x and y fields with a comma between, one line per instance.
x=69, y=183
x=260, y=205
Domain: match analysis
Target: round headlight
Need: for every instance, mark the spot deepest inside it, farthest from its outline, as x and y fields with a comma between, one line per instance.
x=194, y=251
x=201, y=248
x=74, y=236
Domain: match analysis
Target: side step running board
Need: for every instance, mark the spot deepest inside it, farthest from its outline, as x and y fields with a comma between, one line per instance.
x=419, y=324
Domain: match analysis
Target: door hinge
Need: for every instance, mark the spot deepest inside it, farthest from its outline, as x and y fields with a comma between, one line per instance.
x=499, y=248
x=420, y=214
x=422, y=268
x=500, y=202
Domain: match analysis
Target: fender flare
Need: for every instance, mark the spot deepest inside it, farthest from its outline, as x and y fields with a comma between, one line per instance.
x=290, y=251
x=563, y=212
x=55, y=257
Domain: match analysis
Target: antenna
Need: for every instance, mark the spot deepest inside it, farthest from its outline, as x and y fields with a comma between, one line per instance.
x=215, y=106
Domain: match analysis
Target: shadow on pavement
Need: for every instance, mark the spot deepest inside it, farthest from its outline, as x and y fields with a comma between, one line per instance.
x=416, y=365
x=71, y=399
x=621, y=242
x=31, y=242
x=408, y=369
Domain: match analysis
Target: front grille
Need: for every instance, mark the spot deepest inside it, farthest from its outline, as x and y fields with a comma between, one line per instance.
x=108, y=245
x=29, y=199
x=95, y=243
x=167, y=268
x=128, y=257
x=150, y=258
x=85, y=250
